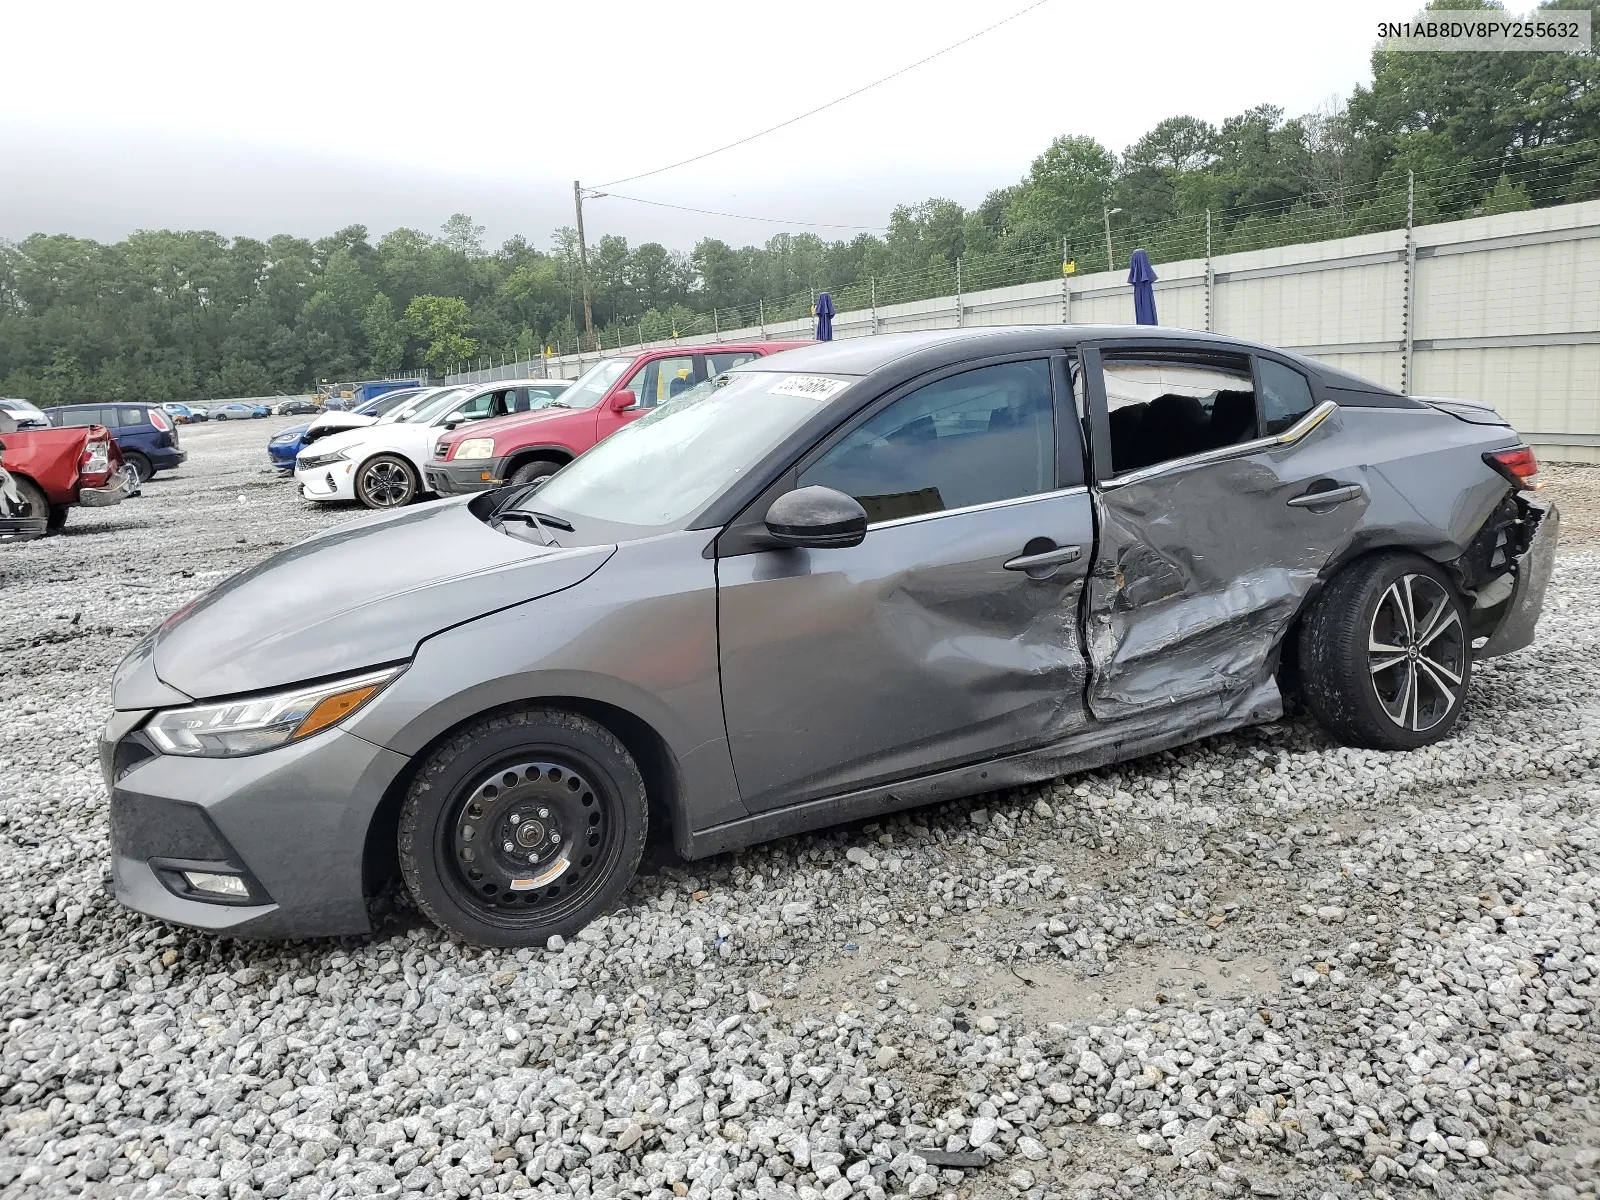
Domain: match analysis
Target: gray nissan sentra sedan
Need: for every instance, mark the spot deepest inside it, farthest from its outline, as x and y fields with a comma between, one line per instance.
x=839, y=581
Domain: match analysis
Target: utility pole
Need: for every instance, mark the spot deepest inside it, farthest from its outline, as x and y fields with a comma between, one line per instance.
x=1111, y=264
x=583, y=258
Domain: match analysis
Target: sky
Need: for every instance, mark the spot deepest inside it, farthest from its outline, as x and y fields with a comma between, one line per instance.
x=254, y=118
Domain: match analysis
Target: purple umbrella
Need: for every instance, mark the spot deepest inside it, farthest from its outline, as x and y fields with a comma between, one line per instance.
x=1143, y=277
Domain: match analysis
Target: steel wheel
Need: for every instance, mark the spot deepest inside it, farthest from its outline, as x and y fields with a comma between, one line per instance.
x=386, y=482
x=531, y=839
x=1416, y=652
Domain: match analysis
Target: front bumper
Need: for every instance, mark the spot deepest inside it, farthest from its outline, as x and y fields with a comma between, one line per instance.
x=117, y=489
x=462, y=478
x=292, y=822
x=336, y=481
x=1533, y=570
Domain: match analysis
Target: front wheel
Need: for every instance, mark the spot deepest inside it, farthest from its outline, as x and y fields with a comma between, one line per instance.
x=532, y=472
x=524, y=825
x=1385, y=658
x=386, y=481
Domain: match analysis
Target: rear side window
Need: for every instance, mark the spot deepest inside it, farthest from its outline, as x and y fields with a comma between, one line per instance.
x=1285, y=395
x=974, y=438
x=132, y=416
x=718, y=363
x=1169, y=407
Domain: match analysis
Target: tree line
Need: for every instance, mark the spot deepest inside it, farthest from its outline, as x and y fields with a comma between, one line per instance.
x=164, y=315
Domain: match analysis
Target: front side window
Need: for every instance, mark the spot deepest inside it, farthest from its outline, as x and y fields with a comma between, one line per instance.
x=1169, y=407
x=973, y=438
x=1285, y=395
x=662, y=379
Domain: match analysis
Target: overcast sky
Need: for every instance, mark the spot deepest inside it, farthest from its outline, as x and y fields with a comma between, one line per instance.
x=256, y=118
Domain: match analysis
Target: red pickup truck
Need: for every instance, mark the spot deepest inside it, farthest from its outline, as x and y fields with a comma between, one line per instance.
x=45, y=472
x=615, y=391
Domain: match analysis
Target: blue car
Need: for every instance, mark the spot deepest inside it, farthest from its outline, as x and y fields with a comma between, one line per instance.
x=147, y=437
x=287, y=443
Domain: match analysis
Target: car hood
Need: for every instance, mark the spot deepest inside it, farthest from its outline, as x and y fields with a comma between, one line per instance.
x=343, y=420
x=494, y=426
x=361, y=594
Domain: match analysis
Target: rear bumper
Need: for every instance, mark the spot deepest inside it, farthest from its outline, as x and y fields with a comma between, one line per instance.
x=463, y=478
x=116, y=490
x=292, y=823
x=1533, y=570
x=168, y=459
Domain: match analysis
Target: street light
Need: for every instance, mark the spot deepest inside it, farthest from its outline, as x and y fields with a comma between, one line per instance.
x=1110, y=262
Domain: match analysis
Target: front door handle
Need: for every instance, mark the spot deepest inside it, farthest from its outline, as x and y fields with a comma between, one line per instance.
x=1045, y=558
x=1327, y=499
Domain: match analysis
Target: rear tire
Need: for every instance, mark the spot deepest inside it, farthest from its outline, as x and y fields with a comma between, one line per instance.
x=1385, y=660
x=38, y=517
x=141, y=464
x=558, y=789
x=532, y=472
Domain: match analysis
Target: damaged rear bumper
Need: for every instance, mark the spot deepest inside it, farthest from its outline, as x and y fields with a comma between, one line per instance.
x=1532, y=571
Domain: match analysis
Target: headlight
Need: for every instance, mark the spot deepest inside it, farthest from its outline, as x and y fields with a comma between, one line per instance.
x=475, y=448
x=283, y=439
x=237, y=727
x=307, y=461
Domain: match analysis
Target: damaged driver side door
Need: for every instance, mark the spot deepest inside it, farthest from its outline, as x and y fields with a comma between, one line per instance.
x=1208, y=467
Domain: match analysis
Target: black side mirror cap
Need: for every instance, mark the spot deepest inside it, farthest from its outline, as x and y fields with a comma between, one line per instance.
x=818, y=518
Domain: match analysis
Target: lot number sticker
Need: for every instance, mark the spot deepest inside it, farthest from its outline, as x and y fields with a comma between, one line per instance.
x=815, y=387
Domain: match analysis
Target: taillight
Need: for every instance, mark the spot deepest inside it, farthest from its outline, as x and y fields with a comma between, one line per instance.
x=1518, y=465
x=96, y=458
x=159, y=420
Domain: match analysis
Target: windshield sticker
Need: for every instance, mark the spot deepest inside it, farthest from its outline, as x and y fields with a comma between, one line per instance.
x=814, y=387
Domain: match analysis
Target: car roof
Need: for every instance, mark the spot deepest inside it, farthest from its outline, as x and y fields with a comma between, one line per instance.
x=930, y=349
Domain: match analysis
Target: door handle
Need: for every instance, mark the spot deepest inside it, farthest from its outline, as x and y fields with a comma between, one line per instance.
x=1046, y=558
x=1327, y=499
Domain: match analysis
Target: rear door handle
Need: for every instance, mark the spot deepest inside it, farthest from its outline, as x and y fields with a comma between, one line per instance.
x=1046, y=558
x=1334, y=495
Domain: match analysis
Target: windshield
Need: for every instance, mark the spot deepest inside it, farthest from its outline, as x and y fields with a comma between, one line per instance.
x=587, y=389
x=676, y=458
x=424, y=408
x=390, y=401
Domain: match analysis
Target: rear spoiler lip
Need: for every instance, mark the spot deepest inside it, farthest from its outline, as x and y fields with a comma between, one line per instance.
x=1473, y=412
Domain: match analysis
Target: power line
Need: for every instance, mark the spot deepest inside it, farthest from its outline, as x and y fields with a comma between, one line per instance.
x=736, y=216
x=831, y=103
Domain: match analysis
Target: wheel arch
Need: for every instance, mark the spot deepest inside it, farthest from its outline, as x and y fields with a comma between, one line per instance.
x=523, y=455
x=651, y=754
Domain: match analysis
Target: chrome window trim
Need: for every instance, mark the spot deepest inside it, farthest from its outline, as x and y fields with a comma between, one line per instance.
x=1287, y=438
x=1075, y=490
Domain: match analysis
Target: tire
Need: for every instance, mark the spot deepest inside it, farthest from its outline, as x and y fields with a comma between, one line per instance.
x=58, y=517
x=141, y=464
x=532, y=472
x=39, y=509
x=575, y=797
x=1385, y=659
x=386, y=481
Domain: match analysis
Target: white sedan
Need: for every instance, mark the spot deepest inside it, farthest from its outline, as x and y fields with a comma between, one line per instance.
x=381, y=464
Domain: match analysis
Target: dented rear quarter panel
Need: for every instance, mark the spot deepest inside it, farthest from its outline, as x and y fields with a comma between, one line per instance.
x=1201, y=571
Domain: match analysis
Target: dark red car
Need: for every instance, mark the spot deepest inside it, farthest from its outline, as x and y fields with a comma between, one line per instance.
x=614, y=392
x=51, y=470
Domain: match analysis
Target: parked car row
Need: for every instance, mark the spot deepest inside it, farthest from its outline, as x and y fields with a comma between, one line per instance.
x=455, y=440
x=785, y=592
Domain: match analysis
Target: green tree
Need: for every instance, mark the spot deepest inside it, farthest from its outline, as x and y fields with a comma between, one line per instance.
x=386, y=337
x=442, y=323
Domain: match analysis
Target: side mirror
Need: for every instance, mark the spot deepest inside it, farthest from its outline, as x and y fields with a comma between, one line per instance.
x=817, y=517
x=624, y=400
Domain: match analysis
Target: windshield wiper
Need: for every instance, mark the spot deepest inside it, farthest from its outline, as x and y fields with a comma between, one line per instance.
x=540, y=521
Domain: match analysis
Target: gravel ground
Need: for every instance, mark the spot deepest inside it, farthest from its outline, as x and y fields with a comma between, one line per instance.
x=1264, y=965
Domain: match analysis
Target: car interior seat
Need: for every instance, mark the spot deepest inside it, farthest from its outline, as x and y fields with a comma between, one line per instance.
x=1233, y=418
